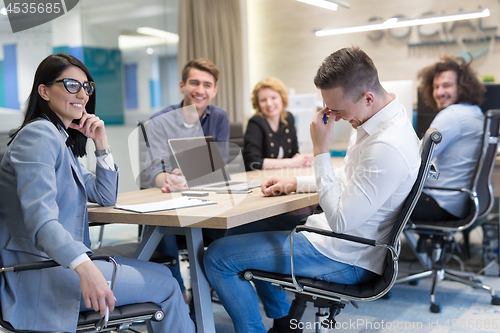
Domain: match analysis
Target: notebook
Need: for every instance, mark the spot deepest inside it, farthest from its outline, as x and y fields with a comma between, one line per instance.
x=201, y=163
x=177, y=203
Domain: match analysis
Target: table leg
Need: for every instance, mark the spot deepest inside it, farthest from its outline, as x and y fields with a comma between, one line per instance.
x=150, y=241
x=199, y=283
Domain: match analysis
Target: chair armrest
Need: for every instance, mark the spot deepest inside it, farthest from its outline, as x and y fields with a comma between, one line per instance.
x=328, y=233
x=51, y=263
x=45, y=264
x=472, y=195
x=448, y=189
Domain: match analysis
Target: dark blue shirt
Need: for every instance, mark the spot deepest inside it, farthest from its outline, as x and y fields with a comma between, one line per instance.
x=165, y=125
x=214, y=122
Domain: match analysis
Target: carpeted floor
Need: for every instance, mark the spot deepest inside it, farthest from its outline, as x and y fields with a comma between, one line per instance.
x=464, y=309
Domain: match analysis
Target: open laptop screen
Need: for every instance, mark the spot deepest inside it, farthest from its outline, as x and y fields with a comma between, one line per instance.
x=199, y=160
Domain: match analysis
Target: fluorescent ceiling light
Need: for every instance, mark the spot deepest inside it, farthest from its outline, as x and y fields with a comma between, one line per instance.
x=170, y=38
x=395, y=23
x=146, y=37
x=126, y=42
x=321, y=3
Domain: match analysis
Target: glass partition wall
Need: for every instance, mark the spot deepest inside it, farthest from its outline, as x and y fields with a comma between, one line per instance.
x=129, y=46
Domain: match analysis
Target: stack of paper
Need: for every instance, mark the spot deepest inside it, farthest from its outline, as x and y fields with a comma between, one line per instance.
x=182, y=202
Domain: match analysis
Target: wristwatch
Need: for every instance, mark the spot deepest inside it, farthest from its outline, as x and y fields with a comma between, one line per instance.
x=103, y=152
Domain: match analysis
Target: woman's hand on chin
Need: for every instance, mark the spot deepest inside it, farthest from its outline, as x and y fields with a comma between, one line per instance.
x=93, y=128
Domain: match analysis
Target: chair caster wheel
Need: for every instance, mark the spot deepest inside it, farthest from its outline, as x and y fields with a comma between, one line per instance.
x=388, y=295
x=495, y=300
x=435, y=307
x=413, y=283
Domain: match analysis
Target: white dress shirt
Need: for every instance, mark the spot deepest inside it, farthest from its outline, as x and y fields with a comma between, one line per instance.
x=363, y=198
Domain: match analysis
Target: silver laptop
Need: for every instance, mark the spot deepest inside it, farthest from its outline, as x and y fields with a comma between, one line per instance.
x=201, y=163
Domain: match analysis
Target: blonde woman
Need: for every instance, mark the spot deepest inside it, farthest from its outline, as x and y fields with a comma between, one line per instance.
x=270, y=138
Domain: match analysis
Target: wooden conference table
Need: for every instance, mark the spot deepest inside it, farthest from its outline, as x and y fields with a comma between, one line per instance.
x=230, y=211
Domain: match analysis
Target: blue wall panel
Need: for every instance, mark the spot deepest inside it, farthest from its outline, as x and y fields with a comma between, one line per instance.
x=76, y=51
x=155, y=90
x=131, y=95
x=2, y=86
x=105, y=65
x=10, y=76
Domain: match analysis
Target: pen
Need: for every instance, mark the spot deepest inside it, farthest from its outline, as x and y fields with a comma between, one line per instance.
x=164, y=170
x=179, y=178
x=233, y=191
x=325, y=118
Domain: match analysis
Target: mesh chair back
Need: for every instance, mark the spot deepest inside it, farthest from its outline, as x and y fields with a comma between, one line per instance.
x=481, y=191
x=431, y=138
x=482, y=178
x=236, y=143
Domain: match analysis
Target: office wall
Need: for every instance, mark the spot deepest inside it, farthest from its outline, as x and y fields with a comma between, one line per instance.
x=281, y=42
x=125, y=147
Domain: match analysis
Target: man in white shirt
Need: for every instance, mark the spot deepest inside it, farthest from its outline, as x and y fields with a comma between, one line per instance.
x=363, y=198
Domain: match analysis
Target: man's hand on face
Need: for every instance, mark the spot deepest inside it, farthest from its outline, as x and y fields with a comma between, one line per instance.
x=321, y=133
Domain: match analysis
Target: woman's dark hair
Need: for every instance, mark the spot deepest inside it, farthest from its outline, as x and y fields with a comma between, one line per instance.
x=48, y=71
x=469, y=87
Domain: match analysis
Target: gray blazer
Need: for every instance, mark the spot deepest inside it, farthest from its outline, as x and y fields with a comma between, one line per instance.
x=43, y=214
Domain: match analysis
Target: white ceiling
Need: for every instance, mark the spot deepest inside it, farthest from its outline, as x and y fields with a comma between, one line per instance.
x=125, y=15
x=128, y=15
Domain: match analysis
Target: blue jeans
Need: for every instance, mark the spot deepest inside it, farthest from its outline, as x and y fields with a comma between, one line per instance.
x=269, y=251
x=168, y=245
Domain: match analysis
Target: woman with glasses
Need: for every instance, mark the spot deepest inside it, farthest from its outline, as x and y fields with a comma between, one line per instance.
x=43, y=213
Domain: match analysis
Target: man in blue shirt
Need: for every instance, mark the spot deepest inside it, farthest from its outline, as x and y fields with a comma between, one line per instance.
x=194, y=116
x=452, y=88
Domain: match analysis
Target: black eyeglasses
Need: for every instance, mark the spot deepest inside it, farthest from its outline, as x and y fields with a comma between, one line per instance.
x=74, y=86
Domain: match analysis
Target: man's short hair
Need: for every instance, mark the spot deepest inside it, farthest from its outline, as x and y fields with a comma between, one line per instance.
x=201, y=64
x=351, y=69
x=469, y=88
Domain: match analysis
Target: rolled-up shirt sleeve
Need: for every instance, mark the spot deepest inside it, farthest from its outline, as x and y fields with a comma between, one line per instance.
x=306, y=184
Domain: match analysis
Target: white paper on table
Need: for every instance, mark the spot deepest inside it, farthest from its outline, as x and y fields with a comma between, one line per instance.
x=182, y=202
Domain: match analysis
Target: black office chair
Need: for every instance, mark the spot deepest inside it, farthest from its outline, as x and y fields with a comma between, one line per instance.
x=236, y=142
x=442, y=233
x=334, y=296
x=128, y=249
x=90, y=321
